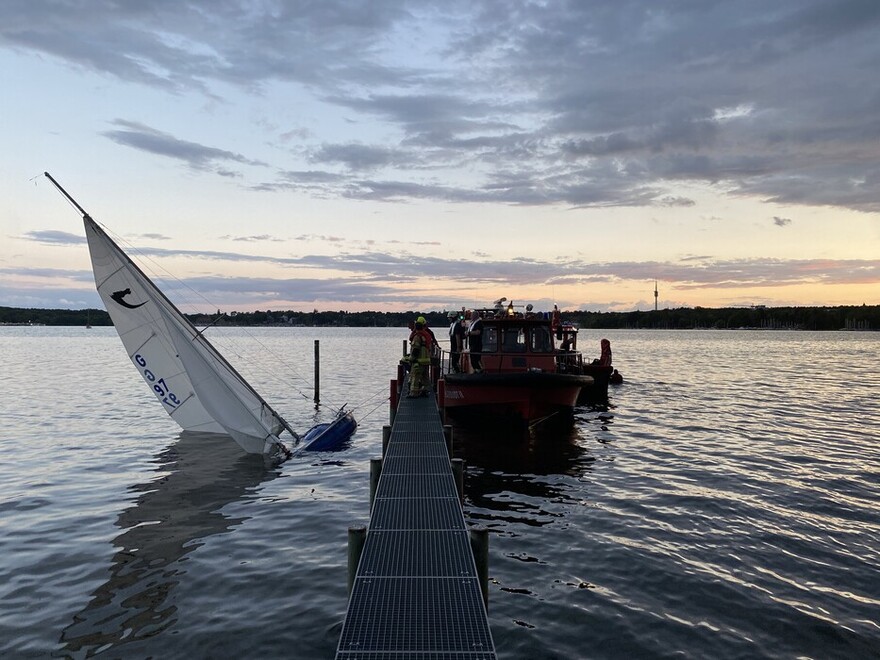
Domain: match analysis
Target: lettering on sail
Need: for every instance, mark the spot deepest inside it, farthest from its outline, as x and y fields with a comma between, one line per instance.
x=158, y=384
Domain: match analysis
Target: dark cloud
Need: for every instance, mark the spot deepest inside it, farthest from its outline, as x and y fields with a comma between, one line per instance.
x=358, y=157
x=197, y=156
x=584, y=103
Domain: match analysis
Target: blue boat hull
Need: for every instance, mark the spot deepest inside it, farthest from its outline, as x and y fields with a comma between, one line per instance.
x=329, y=435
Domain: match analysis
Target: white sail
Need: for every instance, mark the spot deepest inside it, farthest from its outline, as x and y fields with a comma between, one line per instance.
x=164, y=346
x=228, y=400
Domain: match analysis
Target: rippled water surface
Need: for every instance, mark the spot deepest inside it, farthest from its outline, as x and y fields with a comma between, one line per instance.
x=724, y=504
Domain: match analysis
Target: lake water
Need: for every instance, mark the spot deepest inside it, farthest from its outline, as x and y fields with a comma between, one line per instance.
x=724, y=505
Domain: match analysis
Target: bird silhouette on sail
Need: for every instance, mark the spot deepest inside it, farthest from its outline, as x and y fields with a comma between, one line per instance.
x=119, y=295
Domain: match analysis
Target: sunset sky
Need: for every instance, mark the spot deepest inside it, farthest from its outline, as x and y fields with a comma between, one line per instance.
x=398, y=155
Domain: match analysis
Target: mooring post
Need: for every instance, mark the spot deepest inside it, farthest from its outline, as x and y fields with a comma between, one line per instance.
x=441, y=400
x=393, y=399
x=394, y=394
x=375, y=473
x=447, y=433
x=386, y=437
x=317, y=370
x=458, y=472
x=404, y=348
x=480, y=548
x=357, y=536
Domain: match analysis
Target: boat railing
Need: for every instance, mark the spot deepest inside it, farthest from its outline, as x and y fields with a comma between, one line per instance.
x=569, y=361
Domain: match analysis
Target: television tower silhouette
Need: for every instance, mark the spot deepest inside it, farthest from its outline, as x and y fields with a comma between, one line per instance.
x=655, y=295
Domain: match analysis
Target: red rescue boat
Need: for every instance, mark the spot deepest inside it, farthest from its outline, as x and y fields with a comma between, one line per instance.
x=522, y=378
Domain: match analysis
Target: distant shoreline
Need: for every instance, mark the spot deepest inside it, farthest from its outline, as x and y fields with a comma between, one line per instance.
x=852, y=317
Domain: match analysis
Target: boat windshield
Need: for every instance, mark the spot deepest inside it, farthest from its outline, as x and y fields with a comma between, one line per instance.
x=541, y=340
x=490, y=339
x=513, y=340
x=517, y=339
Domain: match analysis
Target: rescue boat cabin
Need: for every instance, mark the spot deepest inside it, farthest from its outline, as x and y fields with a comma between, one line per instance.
x=519, y=341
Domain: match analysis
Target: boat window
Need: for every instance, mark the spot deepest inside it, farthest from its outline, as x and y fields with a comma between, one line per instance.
x=541, y=340
x=490, y=339
x=513, y=340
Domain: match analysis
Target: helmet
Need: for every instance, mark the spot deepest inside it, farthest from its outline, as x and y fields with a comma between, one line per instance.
x=421, y=320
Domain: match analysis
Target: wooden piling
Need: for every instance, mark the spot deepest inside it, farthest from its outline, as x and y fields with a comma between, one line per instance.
x=375, y=473
x=317, y=370
x=447, y=433
x=357, y=536
x=479, y=537
x=441, y=403
x=458, y=473
x=394, y=399
x=386, y=436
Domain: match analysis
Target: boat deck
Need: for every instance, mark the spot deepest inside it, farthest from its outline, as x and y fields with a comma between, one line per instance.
x=416, y=593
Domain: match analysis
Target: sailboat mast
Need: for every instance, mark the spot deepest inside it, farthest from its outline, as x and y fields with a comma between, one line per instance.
x=66, y=194
x=195, y=332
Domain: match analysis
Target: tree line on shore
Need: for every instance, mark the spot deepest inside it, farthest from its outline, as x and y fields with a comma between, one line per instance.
x=864, y=317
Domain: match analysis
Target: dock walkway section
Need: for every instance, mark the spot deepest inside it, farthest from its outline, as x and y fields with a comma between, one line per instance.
x=416, y=593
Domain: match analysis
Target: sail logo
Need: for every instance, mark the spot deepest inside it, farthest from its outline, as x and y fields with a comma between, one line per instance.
x=119, y=295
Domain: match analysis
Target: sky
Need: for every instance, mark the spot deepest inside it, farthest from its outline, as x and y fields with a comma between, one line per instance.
x=395, y=155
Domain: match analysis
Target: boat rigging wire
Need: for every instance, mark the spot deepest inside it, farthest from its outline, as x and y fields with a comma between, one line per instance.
x=371, y=398
x=375, y=408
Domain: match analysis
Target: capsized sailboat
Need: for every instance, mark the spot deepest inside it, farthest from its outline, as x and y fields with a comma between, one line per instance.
x=196, y=385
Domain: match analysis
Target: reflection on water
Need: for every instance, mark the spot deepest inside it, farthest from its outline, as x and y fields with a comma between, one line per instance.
x=521, y=477
x=724, y=506
x=172, y=517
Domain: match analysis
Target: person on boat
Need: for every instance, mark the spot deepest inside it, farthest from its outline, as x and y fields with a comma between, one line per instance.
x=464, y=362
x=420, y=357
x=605, y=358
x=615, y=378
x=475, y=340
x=456, y=342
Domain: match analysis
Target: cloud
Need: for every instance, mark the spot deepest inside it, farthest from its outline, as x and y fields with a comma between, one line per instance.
x=359, y=157
x=319, y=237
x=197, y=156
x=384, y=270
x=580, y=104
x=53, y=237
x=49, y=274
x=262, y=238
x=781, y=222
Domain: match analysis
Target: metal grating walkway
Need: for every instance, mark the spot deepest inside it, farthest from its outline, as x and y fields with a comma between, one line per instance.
x=416, y=593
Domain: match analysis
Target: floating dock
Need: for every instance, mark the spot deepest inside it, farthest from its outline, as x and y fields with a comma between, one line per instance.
x=416, y=593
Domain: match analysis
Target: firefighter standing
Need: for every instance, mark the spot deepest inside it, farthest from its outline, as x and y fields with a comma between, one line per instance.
x=419, y=358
